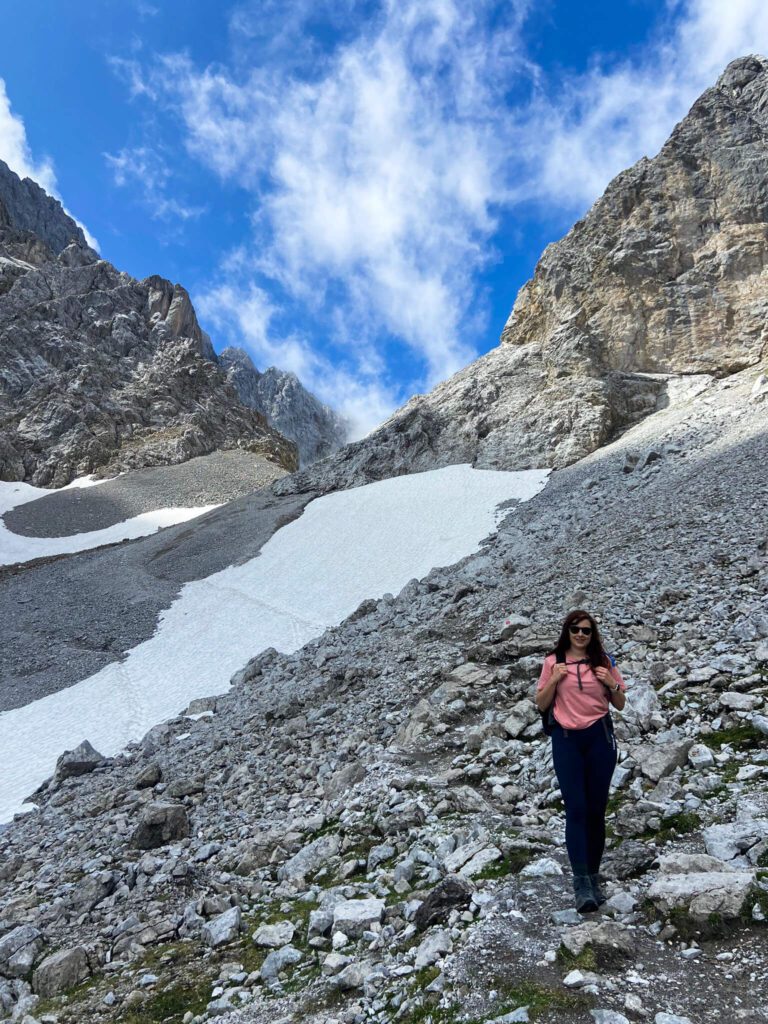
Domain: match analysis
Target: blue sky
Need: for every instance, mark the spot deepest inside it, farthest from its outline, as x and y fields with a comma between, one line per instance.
x=354, y=191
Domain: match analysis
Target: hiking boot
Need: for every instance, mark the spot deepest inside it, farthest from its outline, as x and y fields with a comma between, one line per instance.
x=597, y=891
x=584, y=897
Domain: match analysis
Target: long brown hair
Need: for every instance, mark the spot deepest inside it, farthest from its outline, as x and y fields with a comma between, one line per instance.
x=597, y=656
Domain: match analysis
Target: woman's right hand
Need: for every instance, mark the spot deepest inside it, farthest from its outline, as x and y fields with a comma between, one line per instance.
x=559, y=671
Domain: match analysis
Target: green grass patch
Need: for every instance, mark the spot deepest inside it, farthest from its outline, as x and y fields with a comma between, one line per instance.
x=615, y=800
x=428, y=1014
x=170, y=1005
x=538, y=998
x=512, y=864
x=583, y=961
x=678, y=825
x=741, y=737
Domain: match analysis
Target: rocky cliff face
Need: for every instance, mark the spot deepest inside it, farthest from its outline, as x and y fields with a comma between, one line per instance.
x=280, y=396
x=26, y=206
x=98, y=371
x=665, y=275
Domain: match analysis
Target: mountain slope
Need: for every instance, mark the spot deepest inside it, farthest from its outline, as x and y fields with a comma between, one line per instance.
x=287, y=405
x=98, y=371
x=27, y=206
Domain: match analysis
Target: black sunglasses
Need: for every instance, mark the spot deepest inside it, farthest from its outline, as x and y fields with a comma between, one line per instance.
x=586, y=630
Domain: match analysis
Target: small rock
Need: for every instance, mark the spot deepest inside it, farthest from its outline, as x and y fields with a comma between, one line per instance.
x=544, y=867
x=436, y=945
x=452, y=893
x=353, y=917
x=160, y=824
x=278, y=960
x=274, y=935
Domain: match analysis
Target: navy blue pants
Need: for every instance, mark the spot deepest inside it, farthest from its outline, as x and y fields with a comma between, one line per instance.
x=584, y=760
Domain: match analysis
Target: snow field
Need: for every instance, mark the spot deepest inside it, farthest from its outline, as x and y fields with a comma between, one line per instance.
x=310, y=575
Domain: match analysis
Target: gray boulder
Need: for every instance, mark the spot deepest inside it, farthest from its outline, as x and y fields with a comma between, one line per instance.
x=309, y=859
x=721, y=893
x=60, y=972
x=276, y=935
x=353, y=917
x=80, y=761
x=278, y=960
x=19, y=949
x=160, y=824
x=222, y=929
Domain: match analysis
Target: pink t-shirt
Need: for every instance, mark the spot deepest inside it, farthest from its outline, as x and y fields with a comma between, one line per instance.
x=575, y=708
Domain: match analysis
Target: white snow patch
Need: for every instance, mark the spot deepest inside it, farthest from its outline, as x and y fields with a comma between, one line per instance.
x=16, y=549
x=311, y=574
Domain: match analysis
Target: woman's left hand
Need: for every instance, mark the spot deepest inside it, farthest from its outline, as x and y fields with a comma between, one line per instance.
x=605, y=677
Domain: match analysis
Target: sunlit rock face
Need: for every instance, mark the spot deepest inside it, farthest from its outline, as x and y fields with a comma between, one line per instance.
x=100, y=372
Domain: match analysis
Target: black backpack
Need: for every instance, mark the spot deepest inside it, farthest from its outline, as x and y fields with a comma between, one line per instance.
x=547, y=717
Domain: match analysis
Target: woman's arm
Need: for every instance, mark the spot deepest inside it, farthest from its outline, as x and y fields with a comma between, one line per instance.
x=611, y=679
x=617, y=698
x=548, y=680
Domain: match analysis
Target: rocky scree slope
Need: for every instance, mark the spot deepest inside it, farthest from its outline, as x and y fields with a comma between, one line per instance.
x=665, y=274
x=281, y=397
x=100, y=372
x=370, y=830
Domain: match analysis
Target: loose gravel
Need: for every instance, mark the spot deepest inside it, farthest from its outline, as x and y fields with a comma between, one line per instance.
x=206, y=480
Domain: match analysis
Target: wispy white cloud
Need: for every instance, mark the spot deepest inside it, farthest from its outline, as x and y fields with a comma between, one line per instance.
x=130, y=71
x=148, y=171
x=243, y=314
x=14, y=148
x=580, y=132
x=16, y=152
x=376, y=177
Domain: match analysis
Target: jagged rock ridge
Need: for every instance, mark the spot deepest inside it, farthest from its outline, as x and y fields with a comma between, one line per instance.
x=664, y=275
x=29, y=207
x=100, y=372
x=287, y=405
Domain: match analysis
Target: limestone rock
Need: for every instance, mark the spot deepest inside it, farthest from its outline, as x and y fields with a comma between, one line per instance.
x=434, y=946
x=222, y=929
x=287, y=406
x=309, y=859
x=274, y=935
x=80, y=761
x=656, y=762
x=451, y=893
x=18, y=950
x=353, y=917
x=278, y=960
x=159, y=824
x=61, y=971
x=724, y=893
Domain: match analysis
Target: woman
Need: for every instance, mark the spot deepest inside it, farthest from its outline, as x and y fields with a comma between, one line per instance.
x=577, y=685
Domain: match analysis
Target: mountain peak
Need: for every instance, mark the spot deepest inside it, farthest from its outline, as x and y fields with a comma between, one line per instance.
x=28, y=207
